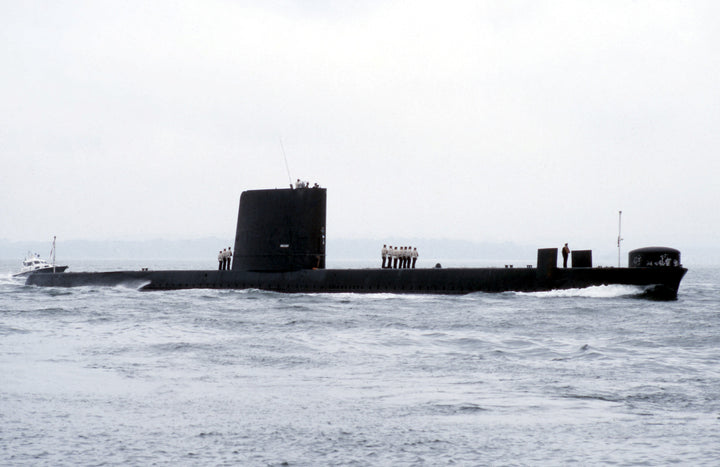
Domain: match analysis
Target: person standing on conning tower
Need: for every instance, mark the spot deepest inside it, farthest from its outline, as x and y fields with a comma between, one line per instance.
x=565, y=253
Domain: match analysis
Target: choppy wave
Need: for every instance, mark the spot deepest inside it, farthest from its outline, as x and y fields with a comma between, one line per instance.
x=97, y=375
x=9, y=279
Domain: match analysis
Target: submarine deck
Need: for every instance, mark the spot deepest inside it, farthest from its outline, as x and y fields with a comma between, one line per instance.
x=416, y=281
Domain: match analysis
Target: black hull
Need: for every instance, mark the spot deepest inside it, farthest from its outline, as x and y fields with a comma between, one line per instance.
x=660, y=282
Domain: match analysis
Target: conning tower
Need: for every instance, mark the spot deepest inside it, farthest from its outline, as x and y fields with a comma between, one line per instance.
x=281, y=230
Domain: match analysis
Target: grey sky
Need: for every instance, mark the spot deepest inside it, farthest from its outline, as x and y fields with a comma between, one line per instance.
x=532, y=122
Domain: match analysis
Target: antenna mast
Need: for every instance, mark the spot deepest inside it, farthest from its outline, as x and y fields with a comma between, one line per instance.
x=53, y=253
x=287, y=167
x=620, y=239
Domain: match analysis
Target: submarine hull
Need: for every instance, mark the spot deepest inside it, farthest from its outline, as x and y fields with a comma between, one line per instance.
x=661, y=283
x=280, y=245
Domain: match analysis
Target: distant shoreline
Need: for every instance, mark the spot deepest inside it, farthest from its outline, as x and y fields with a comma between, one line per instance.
x=364, y=251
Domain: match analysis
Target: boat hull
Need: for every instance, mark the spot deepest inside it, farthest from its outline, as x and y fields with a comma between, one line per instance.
x=56, y=269
x=665, y=281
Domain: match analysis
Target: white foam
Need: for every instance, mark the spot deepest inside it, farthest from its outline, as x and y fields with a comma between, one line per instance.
x=11, y=280
x=597, y=291
x=133, y=284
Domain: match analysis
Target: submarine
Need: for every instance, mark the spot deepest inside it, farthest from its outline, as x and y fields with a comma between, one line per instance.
x=280, y=243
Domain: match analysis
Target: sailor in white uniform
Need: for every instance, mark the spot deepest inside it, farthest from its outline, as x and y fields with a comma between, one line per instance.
x=384, y=253
x=414, y=257
x=229, y=258
x=220, y=260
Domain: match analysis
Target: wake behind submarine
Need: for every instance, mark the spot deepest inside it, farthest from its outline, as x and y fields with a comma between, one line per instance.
x=280, y=246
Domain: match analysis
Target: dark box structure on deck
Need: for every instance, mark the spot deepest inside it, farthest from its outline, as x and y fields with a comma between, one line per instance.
x=581, y=258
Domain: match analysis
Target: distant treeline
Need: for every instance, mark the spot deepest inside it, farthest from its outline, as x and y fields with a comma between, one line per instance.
x=365, y=250
x=118, y=249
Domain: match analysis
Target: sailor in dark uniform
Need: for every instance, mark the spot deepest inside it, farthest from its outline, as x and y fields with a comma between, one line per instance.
x=565, y=253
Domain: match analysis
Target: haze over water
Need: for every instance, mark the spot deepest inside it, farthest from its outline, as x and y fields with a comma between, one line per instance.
x=109, y=376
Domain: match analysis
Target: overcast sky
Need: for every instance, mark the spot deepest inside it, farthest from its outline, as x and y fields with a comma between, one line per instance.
x=526, y=121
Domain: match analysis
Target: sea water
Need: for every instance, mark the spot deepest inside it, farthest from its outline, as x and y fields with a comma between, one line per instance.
x=115, y=376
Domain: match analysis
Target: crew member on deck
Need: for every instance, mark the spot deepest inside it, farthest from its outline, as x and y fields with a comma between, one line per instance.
x=384, y=253
x=229, y=258
x=220, y=260
x=565, y=253
x=414, y=257
x=395, y=257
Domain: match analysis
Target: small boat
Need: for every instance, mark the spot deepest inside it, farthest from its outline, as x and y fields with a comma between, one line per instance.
x=33, y=263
